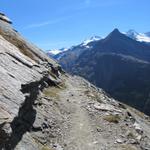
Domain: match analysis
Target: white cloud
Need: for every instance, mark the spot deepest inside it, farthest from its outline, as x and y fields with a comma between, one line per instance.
x=45, y=23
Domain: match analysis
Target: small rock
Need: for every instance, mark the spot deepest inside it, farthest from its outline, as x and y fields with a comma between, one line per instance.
x=139, y=137
x=103, y=107
x=5, y=18
x=57, y=147
x=99, y=129
x=133, y=141
x=7, y=130
x=119, y=141
x=122, y=106
x=65, y=144
x=138, y=128
x=129, y=114
x=95, y=142
x=106, y=107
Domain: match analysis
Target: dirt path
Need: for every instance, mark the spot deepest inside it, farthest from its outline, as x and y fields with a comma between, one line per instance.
x=80, y=136
x=82, y=126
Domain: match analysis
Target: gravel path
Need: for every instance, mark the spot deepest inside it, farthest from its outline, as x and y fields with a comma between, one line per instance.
x=81, y=135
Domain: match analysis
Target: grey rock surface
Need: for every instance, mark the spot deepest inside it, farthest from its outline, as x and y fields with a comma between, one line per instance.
x=24, y=71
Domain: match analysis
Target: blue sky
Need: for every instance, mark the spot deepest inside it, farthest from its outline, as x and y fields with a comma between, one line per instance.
x=53, y=24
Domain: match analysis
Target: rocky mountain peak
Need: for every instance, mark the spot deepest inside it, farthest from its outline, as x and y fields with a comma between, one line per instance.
x=114, y=34
x=132, y=32
x=115, y=31
x=95, y=38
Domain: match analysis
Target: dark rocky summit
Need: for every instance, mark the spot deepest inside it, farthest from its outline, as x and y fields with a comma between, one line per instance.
x=43, y=108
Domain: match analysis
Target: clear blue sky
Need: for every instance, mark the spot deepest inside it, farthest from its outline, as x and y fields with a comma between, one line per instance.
x=55, y=24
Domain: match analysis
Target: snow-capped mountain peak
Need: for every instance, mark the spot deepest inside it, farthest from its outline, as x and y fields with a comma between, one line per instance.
x=92, y=39
x=56, y=51
x=141, y=37
x=132, y=33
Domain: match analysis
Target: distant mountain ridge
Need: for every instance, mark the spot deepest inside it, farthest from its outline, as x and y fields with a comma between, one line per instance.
x=85, y=44
x=141, y=37
x=118, y=63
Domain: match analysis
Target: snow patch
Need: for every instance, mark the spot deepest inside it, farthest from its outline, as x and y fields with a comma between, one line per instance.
x=141, y=37
x=92, y=39
x=57, y=51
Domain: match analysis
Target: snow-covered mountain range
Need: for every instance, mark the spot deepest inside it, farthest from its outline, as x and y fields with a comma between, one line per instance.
x=86, y=44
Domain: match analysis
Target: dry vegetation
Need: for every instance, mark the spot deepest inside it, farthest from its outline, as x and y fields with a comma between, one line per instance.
x=93, y=95
x=46, y=148
x=53, y=92
x=18, y=43
x=112, y=118
x=128, y=147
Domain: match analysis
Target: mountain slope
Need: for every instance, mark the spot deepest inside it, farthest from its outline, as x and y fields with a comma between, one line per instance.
x=25, y=71
x=123, y=77
x=119, y=65
x=68, y=58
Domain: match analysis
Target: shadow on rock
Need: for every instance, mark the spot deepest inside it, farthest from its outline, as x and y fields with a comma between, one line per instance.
x=26, y=116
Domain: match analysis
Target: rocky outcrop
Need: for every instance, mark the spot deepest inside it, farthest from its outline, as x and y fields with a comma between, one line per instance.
x=24, y=70
x=5, y=18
